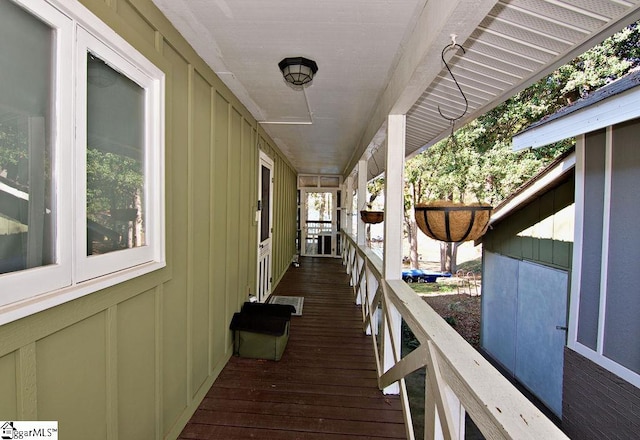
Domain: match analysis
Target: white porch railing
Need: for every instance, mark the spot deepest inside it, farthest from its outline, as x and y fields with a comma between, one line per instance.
x=458, y=379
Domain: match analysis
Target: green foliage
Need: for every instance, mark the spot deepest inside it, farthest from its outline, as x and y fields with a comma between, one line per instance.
x=113, y=181
x=471, y=266
x=13, y=148
x=477, y=161
x=374, y=188
x=430, y=288
x=605, y=62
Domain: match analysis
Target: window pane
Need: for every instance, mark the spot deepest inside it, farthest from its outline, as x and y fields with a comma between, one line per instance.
x=27, y=210
x=265, y=210
x=115, y=160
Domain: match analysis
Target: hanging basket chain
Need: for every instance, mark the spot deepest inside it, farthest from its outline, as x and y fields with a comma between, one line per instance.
x=451, y=141
x=446, y=220
x=454, y=45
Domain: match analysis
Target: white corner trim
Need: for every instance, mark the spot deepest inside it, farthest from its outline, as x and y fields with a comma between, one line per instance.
x=606, y=232
x=578, y=239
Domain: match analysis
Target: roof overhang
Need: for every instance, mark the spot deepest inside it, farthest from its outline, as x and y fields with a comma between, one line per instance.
x=380, y=58
x=607, y=106
x=545, y=180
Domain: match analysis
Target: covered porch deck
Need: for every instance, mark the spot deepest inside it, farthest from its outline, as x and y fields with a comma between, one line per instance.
x=324, y=387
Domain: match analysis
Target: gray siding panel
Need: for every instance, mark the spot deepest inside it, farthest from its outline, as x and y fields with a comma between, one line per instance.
x=592, y=239
x=623, y=278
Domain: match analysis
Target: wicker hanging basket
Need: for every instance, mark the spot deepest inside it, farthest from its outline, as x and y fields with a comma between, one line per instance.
x=372, y=216
x=453, y=222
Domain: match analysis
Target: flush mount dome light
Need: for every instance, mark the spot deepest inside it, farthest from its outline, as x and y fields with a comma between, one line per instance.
x=298, y=70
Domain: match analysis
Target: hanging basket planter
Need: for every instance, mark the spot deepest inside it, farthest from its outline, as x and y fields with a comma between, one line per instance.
x=453, y=222
x=372, y=216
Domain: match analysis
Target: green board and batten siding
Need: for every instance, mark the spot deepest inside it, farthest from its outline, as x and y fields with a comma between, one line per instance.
x=133, y=361
x=507, y=238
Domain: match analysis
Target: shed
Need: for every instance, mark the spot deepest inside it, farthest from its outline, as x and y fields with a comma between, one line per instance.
x=526, y=265
x=601, y=365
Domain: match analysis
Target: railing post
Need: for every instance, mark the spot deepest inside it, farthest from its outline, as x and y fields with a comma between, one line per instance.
x=347, y=208
x=362, y=199
x=368, y=305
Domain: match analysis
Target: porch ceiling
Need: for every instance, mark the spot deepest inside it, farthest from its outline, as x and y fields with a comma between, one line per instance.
x=377, y=57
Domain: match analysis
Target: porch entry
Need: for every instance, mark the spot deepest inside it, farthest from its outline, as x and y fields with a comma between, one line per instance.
x=320, y=223
x=265, y=229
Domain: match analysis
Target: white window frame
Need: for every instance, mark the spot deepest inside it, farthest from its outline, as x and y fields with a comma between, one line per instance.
x=73, y=275
x=89, y=267
x=597, y=356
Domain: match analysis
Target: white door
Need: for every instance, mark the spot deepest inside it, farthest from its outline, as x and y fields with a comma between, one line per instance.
x=319, y=224
x=265, y=228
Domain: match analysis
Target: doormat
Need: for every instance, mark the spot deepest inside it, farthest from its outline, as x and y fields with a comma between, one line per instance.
x=295, y=301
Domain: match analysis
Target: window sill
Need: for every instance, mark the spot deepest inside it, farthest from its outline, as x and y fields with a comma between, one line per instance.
x=30, y=306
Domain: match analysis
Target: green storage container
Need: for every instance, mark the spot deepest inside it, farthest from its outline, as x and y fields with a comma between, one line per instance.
x=261, y=331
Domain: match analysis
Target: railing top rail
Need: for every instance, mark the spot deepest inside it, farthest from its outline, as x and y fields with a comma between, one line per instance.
x=375, y=262
x=495, y=405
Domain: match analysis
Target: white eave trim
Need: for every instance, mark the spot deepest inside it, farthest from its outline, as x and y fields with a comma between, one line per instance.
x=536, y=188
x=621, y=108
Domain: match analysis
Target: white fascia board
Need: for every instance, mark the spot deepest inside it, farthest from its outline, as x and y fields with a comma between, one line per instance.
x=535, y=189
x=614, y=110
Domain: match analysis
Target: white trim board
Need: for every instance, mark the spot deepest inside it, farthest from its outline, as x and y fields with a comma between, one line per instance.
x=621, y=108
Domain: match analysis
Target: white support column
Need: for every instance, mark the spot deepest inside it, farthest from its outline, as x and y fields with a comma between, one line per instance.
x=393, y=217
x=393, y=197
x=362, y=199
x=347, y=208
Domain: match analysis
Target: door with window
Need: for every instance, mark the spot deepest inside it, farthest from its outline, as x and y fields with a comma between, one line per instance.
x=265, y=229
x=319, y=223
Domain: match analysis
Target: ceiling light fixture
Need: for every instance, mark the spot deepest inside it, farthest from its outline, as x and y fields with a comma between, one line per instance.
x=298, y=70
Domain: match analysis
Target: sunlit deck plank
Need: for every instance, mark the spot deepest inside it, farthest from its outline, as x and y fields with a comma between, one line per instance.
x=325, y=385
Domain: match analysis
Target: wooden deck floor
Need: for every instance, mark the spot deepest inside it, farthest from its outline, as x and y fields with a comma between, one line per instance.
x=324, y=387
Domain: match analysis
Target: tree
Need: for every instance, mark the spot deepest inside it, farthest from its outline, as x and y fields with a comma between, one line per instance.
x=375, y=188
x=13, y=150
x=477, y=160
x=115, y=185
